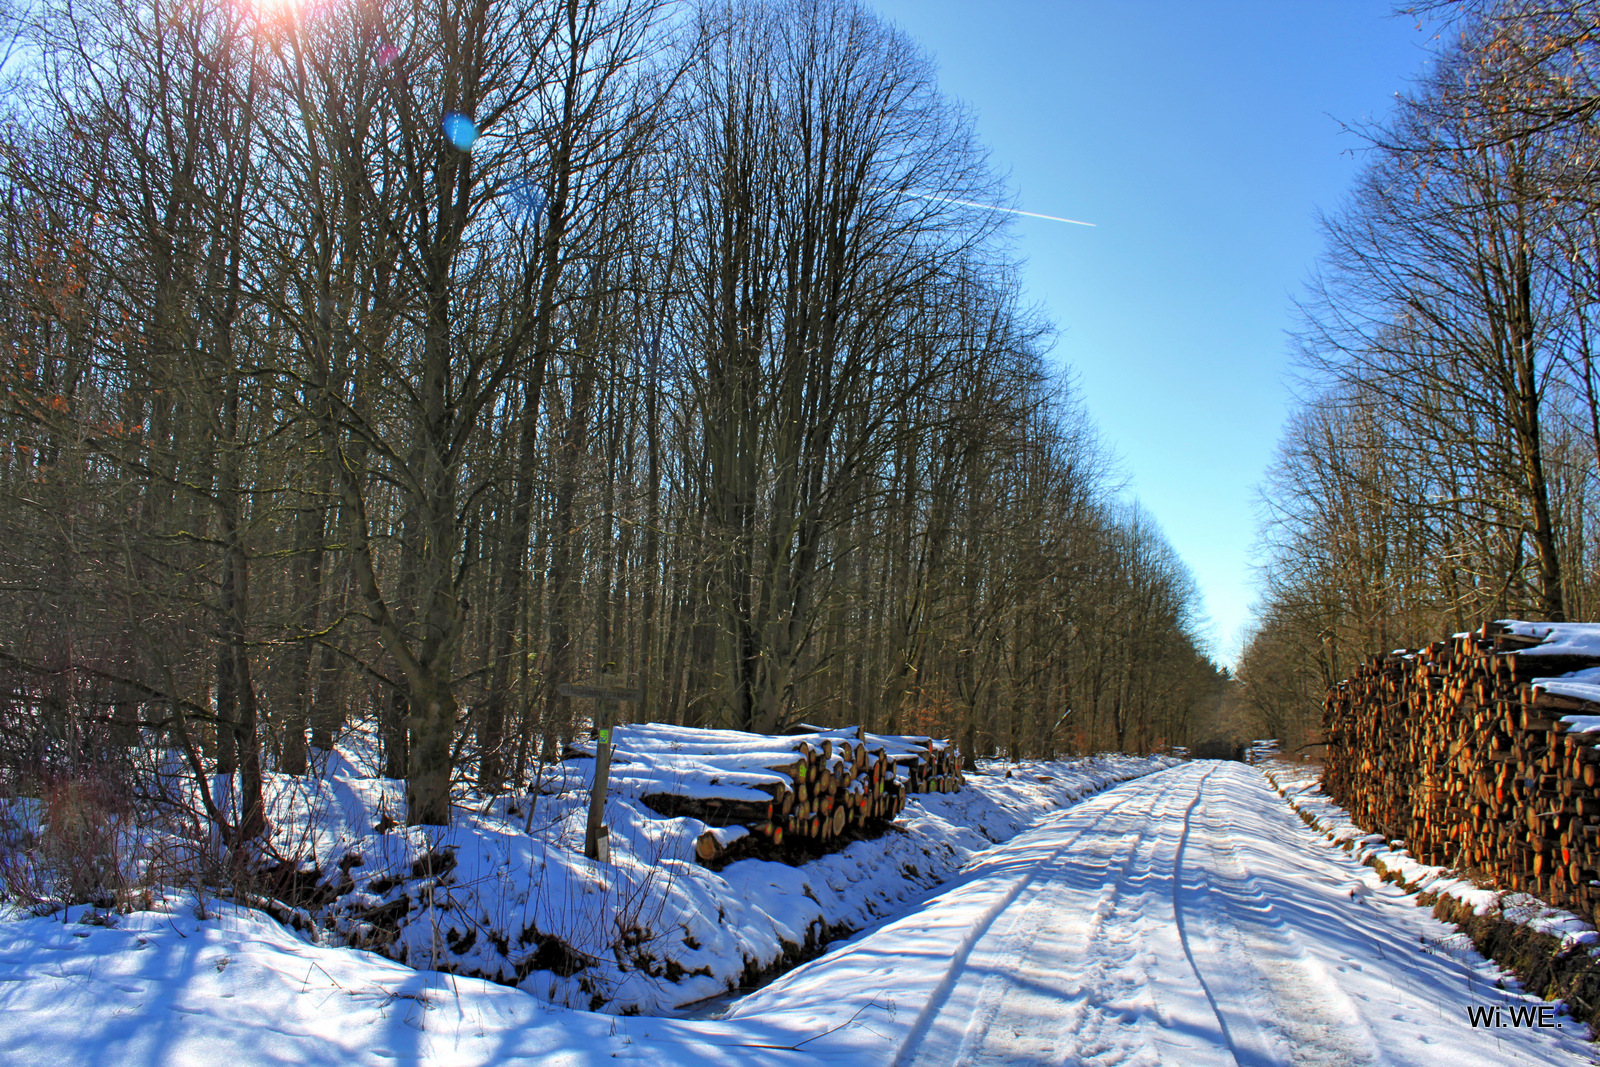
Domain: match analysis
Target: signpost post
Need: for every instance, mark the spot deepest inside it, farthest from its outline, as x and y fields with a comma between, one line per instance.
x=595, y=837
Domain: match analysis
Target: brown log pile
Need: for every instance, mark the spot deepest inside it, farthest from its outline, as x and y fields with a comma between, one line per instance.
x=787, y=798
x=1476, y=754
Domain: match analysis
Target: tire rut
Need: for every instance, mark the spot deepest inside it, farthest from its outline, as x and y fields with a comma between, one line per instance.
x=1026, y=1023
x=1310, y=1021
x=1000, y=1028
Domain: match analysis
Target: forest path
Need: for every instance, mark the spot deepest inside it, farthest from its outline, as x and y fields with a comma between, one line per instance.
x=1187, y=918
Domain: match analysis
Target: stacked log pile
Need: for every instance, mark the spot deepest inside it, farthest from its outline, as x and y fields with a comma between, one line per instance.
x=786, y=798
x=1480, y=753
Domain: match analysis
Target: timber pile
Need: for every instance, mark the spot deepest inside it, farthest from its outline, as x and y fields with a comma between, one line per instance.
x=785, y=798
x=1480, y=752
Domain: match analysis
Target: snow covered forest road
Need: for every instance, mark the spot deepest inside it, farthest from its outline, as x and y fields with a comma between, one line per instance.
x=1184, y=918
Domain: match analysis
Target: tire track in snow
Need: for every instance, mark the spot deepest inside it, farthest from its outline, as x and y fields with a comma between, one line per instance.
x=1018, y=1017
x=1187, y=941
x=1300, y=1009
x=1111, y=804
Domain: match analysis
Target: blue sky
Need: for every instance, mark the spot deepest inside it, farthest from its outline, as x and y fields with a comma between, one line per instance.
x=1201, y=137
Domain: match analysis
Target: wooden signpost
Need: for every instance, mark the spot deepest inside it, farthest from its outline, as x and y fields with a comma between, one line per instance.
x=595, y=837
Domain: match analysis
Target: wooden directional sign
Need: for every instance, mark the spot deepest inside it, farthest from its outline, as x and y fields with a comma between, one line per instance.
x=596, y=842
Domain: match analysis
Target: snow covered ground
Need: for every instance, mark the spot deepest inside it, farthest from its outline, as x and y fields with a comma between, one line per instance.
x=1301, y=787
x=652, y=931
x=1187, y=917
x=506, y=894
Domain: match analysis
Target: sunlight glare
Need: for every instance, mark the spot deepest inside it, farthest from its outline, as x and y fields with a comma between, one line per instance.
x=277, y=9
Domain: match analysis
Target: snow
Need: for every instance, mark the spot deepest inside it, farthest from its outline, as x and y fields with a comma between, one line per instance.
x=1583, y=685
x=1300, y=787
x=1559, y=638
x=509, y=897
x=1565, y=639
x=1185, y=917
x=167, y=987
x=652, y=931
x=730, y=765
x=1581, y=724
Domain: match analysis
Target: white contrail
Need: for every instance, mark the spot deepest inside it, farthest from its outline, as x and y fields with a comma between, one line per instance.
x=989, y=207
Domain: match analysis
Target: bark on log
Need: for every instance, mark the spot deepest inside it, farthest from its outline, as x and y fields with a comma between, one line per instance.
x=1459, y=751
x=813, y=790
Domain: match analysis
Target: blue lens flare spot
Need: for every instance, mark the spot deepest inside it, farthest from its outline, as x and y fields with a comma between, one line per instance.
x=459, y=130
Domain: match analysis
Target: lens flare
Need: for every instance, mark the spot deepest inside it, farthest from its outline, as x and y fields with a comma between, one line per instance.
x=459, y=130
x=279, y=10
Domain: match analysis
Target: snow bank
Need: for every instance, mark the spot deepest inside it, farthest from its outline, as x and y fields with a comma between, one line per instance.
x=196, y=983
x=506, y=895
x=1300, y=787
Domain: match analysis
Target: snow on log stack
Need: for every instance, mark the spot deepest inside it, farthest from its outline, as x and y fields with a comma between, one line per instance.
x=1480, y=752
x=786, y=797
x=1262, y=751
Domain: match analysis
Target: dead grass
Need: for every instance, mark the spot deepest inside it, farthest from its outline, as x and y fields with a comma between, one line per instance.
x=74, y=845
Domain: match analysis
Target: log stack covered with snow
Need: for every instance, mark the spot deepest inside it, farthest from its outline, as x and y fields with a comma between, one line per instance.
x=1480, y=752
x=776, y=797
